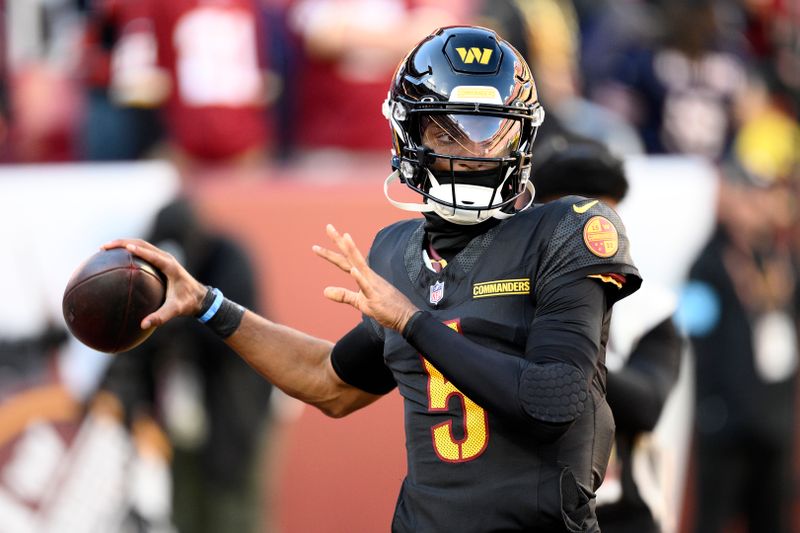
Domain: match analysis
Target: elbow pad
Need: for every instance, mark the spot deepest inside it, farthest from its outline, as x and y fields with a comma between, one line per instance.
x=552, y=392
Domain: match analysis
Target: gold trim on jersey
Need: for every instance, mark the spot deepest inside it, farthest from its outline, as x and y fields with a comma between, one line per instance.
x=606, y=279
x=501, y=287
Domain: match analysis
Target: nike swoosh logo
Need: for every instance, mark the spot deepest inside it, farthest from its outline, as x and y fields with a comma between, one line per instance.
x=585, y=207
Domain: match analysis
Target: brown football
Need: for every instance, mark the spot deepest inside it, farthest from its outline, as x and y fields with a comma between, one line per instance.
x=108, y=296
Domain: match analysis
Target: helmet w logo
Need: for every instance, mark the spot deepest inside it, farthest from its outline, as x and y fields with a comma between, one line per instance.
x=469, y=56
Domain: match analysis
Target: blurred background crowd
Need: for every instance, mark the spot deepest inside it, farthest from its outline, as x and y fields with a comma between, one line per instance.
x=251, y=82
x=252, y=107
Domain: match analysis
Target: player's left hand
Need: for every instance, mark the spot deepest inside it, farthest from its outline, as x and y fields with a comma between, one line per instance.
x=376, y=298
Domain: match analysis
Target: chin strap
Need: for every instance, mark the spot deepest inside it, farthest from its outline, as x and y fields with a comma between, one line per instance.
x=429, y=207
x=531, y=190
x=405, y=206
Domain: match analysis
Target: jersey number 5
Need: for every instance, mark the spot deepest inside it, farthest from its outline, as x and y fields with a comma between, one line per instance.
x=476, y=426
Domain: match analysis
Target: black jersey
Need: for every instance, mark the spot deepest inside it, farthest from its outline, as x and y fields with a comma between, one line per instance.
x=469, y=470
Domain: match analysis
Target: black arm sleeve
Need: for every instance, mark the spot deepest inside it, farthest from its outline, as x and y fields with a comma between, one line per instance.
x=358, y=360
x=638, y=391
x=547, y=387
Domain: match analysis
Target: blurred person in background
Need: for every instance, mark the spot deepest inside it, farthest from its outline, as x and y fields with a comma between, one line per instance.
x=42, y=42
x=643, y=352
x=772, y=30
x=767, y=140
x=609, y=30
x=547, y=32
x=205, y=63
x=347, y=53
x=112, y=129
x=740, y=308
x=213, y=405
x=678, y=86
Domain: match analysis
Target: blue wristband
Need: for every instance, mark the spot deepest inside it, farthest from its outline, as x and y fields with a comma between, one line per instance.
x=209, y=314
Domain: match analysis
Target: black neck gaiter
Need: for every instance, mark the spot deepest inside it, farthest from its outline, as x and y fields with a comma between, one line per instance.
x=448, y=239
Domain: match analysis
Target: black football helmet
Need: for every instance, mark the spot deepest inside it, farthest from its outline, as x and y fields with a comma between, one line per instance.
x=464, y=112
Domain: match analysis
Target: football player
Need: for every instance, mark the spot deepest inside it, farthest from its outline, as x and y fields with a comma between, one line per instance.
x=490, y=316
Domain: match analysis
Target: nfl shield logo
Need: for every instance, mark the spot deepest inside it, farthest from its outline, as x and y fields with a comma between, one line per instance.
x=437, y=292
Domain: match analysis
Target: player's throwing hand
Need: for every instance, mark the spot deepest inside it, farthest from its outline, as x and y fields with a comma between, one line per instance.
x=184, y=293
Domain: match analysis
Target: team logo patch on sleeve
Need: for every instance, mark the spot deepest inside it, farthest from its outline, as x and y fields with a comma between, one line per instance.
x=501, y=287
x=601, y=236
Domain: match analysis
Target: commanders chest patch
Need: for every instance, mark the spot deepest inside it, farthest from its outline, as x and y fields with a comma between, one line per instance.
x=501, y=287
x=601, y=236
